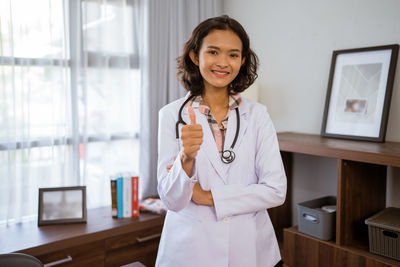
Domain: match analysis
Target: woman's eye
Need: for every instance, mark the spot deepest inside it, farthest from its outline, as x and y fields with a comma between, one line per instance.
x=234, y=55
x=212, y=52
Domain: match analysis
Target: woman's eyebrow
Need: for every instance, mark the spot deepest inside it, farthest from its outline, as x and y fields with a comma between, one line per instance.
x=217, y=48
x=213, y=47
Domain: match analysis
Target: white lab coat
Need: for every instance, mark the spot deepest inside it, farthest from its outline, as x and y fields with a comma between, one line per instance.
x=237, y=231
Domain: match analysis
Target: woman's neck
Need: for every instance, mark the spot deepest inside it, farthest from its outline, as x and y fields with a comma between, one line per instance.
x=218, y=102
x=216, y=99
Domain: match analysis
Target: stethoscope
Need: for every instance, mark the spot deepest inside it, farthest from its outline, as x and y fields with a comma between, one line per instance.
x=227, y=155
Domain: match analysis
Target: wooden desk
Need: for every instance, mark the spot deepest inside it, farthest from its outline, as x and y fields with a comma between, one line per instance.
x=361, y=192
x=102, y=241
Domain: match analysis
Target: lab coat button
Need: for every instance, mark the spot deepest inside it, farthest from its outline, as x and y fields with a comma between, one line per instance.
x=226, y=219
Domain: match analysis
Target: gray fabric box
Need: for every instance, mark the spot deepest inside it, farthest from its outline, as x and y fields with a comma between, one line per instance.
x=317, y=220
x=384, y=233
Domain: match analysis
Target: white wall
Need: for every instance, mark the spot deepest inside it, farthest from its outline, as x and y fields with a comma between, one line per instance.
x=294, y=41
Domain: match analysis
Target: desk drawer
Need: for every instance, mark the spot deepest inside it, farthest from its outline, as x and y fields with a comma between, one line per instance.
x=139, y=246
x=91, y=254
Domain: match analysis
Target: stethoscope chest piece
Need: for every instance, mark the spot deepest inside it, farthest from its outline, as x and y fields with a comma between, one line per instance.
x=227, y=156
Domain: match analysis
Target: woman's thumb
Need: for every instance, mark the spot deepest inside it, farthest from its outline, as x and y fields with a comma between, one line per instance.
x=192, y=115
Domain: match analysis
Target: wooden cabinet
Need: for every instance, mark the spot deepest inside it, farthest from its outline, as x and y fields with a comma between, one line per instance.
x=131, y=247
x=102, y=241
x=361, y=192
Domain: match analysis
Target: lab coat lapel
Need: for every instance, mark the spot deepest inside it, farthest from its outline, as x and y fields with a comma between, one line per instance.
x=210, y=148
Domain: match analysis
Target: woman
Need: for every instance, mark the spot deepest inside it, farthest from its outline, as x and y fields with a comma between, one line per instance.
x=221, y=170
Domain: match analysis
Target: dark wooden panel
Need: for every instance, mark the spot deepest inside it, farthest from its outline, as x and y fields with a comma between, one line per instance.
x=361, y=194
x=289, y=244
x=299, y=251
x=328, y=253
x=132, y=239
x=302, y=250
x=139, y=246
x=146, y=253
x=91, y=254
x=387, y=153
x=281, y=217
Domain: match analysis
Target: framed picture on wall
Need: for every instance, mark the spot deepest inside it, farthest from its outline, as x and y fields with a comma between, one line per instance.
x=359, y=93
x=60, y=205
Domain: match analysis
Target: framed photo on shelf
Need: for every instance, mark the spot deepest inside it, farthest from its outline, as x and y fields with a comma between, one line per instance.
x=61, y=205
x=359, y=93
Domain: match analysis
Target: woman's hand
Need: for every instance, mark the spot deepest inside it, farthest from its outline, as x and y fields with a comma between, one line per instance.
x=192, y=138
x=202, y=197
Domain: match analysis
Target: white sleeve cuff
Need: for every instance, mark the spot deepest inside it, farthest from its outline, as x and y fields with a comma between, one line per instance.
x=193, y=179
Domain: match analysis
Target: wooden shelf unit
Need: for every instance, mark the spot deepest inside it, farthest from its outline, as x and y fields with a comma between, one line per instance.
x=361, y=192
x=102, y=241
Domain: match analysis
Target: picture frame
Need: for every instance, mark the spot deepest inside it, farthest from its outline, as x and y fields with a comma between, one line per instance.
x=359, y=92
x=62, y=205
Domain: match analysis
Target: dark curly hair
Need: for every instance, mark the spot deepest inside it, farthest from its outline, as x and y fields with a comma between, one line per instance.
x=189, y=74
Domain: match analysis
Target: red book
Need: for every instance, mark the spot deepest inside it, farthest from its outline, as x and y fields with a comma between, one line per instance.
x=135, y=196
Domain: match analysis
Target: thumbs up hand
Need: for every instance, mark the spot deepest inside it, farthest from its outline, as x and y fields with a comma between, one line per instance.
x=191, y=137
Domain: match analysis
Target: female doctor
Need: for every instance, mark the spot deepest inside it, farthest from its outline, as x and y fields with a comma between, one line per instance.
x=219, y=165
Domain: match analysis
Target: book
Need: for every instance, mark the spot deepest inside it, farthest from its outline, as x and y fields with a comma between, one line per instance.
x=114, y=208
x=127, y=196
x=119, y=197
x=135, y=195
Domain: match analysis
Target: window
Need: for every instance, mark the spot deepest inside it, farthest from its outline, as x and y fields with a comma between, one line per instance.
x=69, y=99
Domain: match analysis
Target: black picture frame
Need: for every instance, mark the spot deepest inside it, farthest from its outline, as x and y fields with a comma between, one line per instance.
x=359, y=92
x=62, y=205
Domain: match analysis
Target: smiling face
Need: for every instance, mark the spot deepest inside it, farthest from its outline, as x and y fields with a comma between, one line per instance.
x=219, y=59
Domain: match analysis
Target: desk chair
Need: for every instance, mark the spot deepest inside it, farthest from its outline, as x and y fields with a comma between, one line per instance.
x=19, y=260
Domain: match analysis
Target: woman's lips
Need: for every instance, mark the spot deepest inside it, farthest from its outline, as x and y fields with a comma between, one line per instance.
x=220, y=73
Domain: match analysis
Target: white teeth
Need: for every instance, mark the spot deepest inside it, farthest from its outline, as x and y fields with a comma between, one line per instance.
x=219, y=72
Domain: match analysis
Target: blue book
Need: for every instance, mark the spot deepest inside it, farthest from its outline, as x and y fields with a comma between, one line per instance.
x=120, y=211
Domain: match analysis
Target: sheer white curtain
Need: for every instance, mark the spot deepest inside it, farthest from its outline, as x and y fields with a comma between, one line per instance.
x=35, y=105
x=109, y=93
x=69, y=98
x=170, y=24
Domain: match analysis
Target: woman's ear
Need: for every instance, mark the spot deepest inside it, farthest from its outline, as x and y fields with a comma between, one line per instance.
x=243, y=61
x=194, y=57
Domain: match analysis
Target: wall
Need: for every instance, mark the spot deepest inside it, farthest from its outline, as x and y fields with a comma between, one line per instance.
x=294, y=41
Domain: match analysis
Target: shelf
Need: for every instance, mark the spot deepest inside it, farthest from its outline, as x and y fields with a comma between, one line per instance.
x=361, y=193
x=387, y=153
x=297, y=248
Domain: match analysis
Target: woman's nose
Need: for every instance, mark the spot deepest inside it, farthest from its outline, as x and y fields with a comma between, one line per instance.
x=222, y=62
